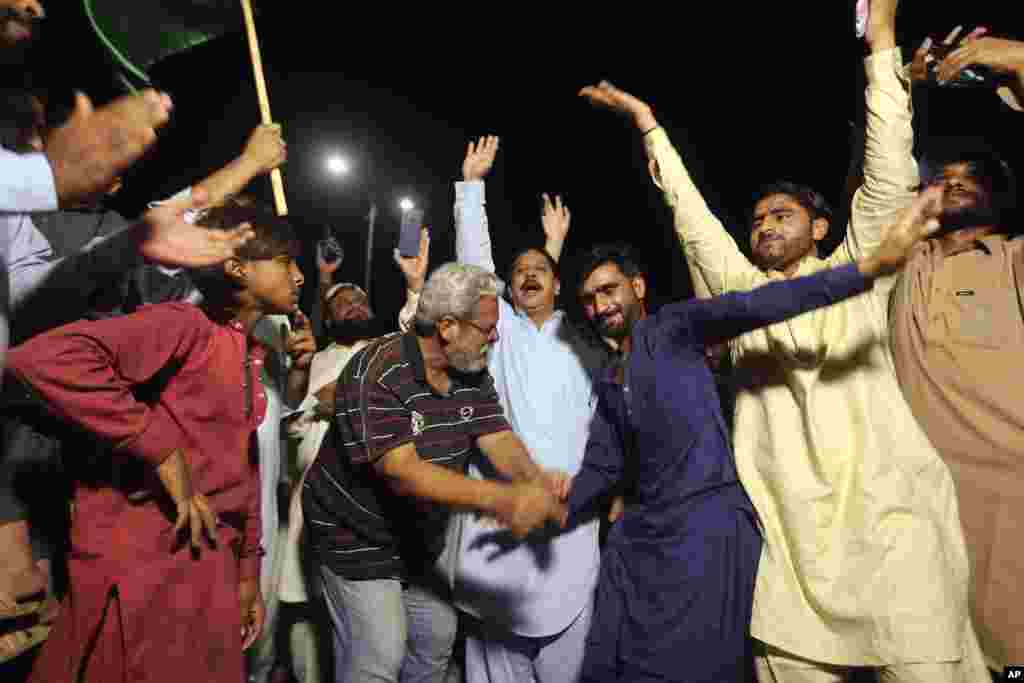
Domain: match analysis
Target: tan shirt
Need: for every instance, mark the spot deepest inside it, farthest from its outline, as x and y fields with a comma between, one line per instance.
x=864, y=561
x=958, y=343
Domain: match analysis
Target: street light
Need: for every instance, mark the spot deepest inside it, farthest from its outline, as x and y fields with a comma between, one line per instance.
x=406, y=204
x=337, y=165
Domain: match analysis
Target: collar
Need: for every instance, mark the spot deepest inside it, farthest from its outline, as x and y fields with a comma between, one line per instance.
x=255, y=348
x=988, y=245
x=558, y=314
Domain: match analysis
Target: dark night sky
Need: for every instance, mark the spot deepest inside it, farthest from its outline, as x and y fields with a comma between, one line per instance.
x=748, y=95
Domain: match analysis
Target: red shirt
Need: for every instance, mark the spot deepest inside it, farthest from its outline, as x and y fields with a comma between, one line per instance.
x=163, y=378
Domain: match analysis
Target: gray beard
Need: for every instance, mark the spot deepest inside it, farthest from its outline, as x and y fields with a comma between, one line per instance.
x=467, y=363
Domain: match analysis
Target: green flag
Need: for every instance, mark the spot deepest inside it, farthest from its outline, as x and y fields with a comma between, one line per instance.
x=139, y=33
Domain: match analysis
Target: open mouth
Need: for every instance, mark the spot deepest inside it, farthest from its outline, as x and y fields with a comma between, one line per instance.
x=530, y=287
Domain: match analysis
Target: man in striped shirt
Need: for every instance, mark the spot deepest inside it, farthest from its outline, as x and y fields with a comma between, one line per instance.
x=410, y=411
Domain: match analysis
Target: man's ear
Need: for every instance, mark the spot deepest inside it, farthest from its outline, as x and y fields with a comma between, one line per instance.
x=447, y=328
x=236, y=271
x=639, y=285
x=819, y=228
x=558, y=286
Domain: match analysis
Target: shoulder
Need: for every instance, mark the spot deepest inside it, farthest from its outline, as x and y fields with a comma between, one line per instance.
x=378, y=360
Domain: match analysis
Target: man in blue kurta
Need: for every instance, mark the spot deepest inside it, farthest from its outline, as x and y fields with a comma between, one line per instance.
x=677, y=575
x=531, y=600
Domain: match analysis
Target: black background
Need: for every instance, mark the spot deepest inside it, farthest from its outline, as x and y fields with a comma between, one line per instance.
x=748, y=91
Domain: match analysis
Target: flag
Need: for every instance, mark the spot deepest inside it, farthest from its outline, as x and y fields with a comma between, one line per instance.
x=139, y=33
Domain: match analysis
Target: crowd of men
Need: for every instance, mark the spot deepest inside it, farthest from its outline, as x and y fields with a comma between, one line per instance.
x=196, y=486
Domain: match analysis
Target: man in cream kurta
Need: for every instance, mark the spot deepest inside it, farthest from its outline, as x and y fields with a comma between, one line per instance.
x=864, y=561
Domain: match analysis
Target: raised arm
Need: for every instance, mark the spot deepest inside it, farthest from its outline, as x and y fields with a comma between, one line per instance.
x=890, y=174
x=1004, y=57
x=704, y=322
x=472, y=239
x=555, y=218
x=706, y=243
x=414, y=269
x=264, y=151
x=165, y=235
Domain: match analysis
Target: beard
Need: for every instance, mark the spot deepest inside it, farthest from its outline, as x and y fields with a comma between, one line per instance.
x=469, y=362
x=346, y=332
x=630, y=313
x=961, y=217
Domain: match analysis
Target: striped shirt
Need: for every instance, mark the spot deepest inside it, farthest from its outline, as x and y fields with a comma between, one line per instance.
x=358, y=527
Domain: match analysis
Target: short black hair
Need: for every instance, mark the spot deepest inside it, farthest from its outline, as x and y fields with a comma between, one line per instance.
x=804, y=195
x=983, y=163
x=528, y=248
x=273, y=236
x=618, y=253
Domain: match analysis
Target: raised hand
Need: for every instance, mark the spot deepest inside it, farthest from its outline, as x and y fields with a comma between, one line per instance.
x=606, y=95
x=917, y=222
x=881, y=28
x=168, y=237
x=324, y=267
x=415, y=267
x=555, y=219
x=480, y=158
x=300, y=344
x=193, y=510
x=265, y=149
x=925, y=56
x=95, y=146
x=1001, y=55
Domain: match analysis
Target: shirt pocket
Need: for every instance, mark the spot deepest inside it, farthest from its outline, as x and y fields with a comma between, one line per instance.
x=976, y=318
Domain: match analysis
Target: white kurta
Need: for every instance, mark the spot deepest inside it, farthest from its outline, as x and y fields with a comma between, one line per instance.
x=310, y=431
x=542, y=376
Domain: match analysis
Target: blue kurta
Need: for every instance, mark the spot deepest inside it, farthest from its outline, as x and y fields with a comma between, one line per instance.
x=677, y=575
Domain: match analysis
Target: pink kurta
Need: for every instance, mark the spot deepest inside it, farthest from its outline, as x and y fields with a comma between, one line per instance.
x=164, y=378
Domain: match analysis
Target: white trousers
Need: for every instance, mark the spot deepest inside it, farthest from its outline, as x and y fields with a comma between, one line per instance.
x=494, y=655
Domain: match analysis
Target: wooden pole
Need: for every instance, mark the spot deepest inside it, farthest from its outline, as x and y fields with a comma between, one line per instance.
x=276, y=181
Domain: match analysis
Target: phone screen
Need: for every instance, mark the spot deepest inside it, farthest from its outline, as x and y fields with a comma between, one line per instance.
x=409, y=236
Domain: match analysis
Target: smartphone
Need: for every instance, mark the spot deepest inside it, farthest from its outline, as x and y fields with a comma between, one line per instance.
x=330, y=250
x=409, y=235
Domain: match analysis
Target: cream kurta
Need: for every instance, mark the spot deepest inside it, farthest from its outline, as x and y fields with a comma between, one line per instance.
x=864, y=560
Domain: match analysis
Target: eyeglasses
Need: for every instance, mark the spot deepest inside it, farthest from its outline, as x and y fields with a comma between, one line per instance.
x=491, y=334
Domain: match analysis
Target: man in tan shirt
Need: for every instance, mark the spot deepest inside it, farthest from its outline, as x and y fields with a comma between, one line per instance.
x=957, y=335
x=864, y=562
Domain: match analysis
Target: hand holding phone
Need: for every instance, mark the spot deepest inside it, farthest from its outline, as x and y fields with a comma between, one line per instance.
x=409, y=235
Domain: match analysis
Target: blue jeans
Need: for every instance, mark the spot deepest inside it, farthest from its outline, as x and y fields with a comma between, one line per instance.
x=386, y=631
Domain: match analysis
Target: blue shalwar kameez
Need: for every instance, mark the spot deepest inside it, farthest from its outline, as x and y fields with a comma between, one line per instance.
x=677, y=574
